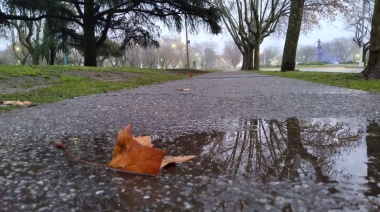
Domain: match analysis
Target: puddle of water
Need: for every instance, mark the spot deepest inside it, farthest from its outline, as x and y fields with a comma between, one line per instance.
x=316, y=164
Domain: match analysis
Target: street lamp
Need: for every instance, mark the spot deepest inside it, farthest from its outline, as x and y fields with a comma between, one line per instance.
x=140, y=55
x=361, y=59
x=187, y=44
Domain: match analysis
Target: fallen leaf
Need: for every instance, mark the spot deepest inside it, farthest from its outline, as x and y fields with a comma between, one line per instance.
x=175, y=159
x=20, y=103
x=182, y=89
x=190, y=75
x=131, y=156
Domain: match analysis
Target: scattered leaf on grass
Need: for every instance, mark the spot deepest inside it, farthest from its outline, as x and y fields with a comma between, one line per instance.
x=19, y=103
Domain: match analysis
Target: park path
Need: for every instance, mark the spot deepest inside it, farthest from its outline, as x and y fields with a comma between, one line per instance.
x=210, y=97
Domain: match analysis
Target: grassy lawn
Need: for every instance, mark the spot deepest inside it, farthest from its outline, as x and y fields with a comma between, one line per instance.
x=45, y=84
x=346, y=80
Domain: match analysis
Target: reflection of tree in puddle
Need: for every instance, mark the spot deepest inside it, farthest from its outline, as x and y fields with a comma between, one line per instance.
x=280, y=150
x=373, y=152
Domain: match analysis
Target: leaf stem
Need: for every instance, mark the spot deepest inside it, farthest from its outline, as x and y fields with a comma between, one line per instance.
x=59, y=145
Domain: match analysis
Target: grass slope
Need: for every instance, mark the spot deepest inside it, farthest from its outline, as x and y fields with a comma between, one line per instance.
x=45, y=84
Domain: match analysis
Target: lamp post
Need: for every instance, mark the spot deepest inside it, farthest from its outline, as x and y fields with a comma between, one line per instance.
x=187, y=44
x=140, y=55
x=361, y=59
x=17, y=49
x=140, y=58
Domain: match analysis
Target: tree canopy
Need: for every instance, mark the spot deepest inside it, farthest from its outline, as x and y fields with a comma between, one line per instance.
x=92, y=22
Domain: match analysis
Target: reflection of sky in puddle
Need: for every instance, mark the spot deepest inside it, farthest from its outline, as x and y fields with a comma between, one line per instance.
x=317, y=164
x=318, y=149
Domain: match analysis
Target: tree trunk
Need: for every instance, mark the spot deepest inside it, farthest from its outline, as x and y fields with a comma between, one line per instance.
x=256, y=64
x=52, y=56
x=248, y=58
x=372, y=71
x=245, y=60
x=292, y=35
x=89, y=41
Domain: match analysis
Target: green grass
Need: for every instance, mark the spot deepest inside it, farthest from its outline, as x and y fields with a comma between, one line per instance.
x=346, y=80
x=61, y=86
x=9, y=71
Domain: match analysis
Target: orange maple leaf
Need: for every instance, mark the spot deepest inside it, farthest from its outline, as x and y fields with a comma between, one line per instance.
x=131, y=156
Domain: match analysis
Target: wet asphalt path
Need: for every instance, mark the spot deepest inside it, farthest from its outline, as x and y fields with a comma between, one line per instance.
x=211, y=97
x=35, y=176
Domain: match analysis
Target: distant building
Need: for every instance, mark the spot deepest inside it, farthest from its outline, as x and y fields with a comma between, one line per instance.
x=319, y=51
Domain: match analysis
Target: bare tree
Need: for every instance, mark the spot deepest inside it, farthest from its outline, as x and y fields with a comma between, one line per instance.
x=210, y=57
x=354, y=21
x=150, y=57
x=340, y=49
x=28, y=33
x=132, y=56
x=231, y=53
x=306, y=54
x=249, y=22
x=233, y=16
x=171, y=52
x=269, y=55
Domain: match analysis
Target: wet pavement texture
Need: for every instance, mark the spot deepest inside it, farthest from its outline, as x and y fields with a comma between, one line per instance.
x=262, y=143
